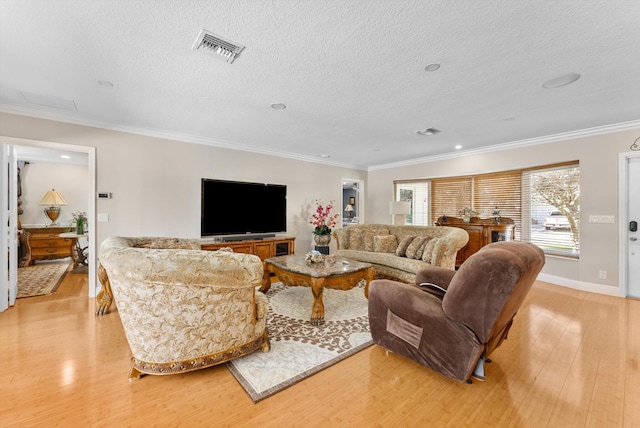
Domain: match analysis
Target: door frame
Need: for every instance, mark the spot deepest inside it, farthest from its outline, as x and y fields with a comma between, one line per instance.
x=91, y=212
x=623, y=198
x=359, y=202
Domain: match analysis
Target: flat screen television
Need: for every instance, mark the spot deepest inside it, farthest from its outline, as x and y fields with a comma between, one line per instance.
x=242, y=208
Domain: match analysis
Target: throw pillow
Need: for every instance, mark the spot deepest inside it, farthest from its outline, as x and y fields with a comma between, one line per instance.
x=428, y=250
x=415, y=249
x=401, y=251
x=385, y=244
x=356, y=239
x=369, y=234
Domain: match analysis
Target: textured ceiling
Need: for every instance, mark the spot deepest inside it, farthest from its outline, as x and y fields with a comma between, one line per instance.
x=350, y=72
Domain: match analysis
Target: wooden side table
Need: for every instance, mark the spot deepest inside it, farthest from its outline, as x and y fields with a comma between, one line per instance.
x=80, y=254
x=45, y=243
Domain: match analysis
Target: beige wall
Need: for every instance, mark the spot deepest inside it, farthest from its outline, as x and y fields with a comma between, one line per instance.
x=155, y=183
x=598, y=156
x=39, y=177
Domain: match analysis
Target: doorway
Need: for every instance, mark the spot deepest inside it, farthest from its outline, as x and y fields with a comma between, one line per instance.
x=352, y=206
x=14, y=148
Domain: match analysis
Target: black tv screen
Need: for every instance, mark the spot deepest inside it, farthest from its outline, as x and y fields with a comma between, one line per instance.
x=240, y=208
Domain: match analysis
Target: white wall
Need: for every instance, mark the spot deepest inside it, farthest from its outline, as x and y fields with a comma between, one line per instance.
x=598, y=157
x=155, y=182
x=39, y=177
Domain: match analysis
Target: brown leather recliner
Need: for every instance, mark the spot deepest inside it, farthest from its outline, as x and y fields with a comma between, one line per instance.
x=455, y=330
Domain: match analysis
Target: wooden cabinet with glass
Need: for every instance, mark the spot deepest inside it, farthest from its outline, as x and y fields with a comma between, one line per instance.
x=481, y=232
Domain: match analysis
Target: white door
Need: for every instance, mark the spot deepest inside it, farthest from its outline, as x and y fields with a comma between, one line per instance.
x=633, y=255
x=9, y=219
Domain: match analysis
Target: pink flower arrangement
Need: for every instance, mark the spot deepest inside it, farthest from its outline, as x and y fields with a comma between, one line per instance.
x=322, y=219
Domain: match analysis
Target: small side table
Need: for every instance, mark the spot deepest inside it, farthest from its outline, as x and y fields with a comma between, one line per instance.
x=80, y=254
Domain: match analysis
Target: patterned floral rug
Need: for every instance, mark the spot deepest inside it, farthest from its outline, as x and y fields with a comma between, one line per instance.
x=40, y=279
x=299, y=349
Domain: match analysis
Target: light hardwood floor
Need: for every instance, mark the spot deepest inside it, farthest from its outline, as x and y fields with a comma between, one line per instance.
x=571, y=360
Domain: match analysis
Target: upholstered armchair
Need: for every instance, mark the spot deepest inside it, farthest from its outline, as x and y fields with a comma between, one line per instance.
x=455, y=330
x=184, y=309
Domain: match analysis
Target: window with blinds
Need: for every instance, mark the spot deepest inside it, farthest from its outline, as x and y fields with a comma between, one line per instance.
x=552, y=198
x=450, y=195
x=544, y=202
x=417, y=193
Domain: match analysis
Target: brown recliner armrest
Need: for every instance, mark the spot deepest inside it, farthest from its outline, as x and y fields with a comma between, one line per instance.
x=435, y=275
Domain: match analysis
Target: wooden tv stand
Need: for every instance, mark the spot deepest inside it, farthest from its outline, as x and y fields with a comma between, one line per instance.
x=263, y=248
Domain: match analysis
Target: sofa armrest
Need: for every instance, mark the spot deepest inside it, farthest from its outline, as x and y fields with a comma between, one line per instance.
x=341, y=238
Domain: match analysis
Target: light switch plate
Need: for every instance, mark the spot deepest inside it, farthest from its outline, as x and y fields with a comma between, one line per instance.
x=103, y=217
x=602, y=219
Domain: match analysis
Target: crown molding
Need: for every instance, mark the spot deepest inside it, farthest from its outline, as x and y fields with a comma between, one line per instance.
x=156, y=133
x=193, y=139
x=554, y=138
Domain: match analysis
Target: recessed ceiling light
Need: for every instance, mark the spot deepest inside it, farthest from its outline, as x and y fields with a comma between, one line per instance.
x=432, y=67
x=458, y=147
x=325, y=156
x=278, y=106
x=428, y=131
x=105, y=83
x=561, y=81
x=65, y=156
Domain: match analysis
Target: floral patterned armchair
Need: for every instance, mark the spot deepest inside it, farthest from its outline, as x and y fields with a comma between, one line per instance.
x=182, y=308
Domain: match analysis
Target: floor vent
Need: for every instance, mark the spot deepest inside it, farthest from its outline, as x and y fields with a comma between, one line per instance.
x=217, y=47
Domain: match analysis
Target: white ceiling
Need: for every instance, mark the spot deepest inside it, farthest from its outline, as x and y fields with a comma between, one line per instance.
x=352, y=73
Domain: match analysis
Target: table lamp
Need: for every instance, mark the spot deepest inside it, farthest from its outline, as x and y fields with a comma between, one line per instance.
x=54, y=200
x=399, y=209
x=349, y=210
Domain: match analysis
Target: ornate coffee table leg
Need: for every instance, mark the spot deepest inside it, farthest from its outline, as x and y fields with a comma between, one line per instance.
x=317, y=312
x=370, y=276
x=266, y=279
x=105, y=298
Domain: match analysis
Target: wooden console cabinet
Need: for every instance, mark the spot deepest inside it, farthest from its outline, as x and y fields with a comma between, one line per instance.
x=263, y=248
x=45, y=243
x=481, y=232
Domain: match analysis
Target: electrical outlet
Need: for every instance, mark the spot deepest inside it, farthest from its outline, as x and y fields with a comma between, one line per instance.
x=602, y=274
x=103, y=217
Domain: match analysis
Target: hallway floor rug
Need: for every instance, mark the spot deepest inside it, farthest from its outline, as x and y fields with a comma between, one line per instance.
x=40, y=279
x=298, y=348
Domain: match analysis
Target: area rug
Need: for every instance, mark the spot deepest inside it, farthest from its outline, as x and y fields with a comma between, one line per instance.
x=40, y=279
x=299, y=349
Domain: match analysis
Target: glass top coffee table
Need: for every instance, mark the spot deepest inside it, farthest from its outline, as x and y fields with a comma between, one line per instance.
x=333, y=272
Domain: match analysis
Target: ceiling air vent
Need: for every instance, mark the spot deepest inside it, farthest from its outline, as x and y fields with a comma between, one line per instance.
x=217, y=47
x=428, y=131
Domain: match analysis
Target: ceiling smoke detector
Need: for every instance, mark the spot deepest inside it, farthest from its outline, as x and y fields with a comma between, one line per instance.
x=428, y=131
x=217, y=47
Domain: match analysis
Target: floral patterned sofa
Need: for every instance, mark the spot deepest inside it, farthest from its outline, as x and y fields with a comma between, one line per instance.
x=400, y=252
x=182, y=308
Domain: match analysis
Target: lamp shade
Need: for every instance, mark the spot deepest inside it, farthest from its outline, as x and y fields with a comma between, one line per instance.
x=399, y=207
x=349, y=208
x=53, y=197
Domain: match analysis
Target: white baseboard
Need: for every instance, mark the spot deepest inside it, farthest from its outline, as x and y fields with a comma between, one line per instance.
x=581, y=285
